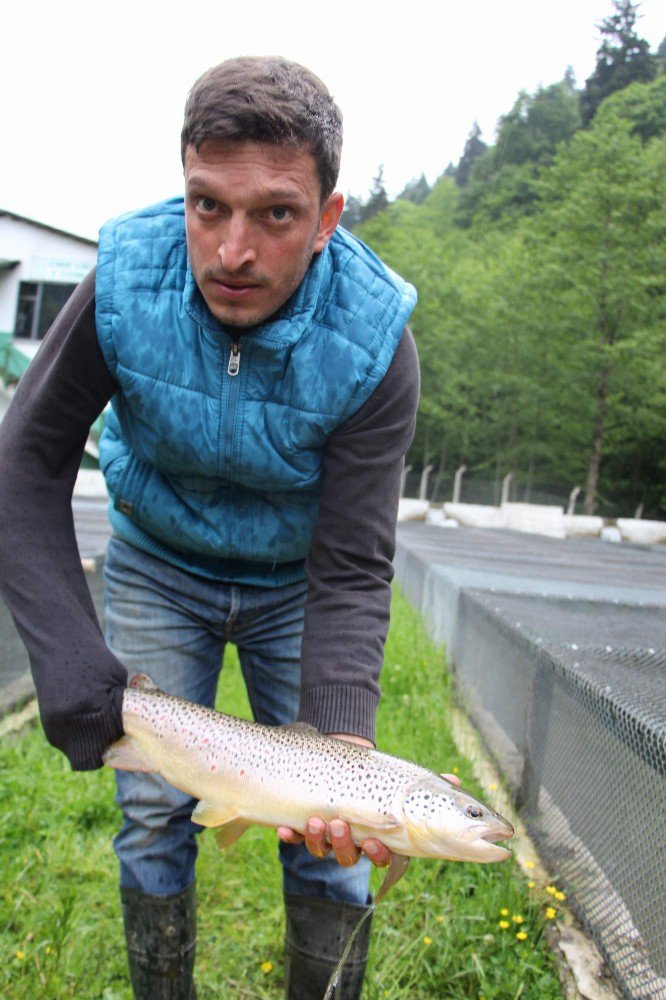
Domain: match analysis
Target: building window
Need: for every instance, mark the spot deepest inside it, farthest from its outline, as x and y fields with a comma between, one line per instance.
x=38, y=305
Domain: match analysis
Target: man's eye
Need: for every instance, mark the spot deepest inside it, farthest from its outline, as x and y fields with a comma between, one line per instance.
x=206, y=204
x=280, y=213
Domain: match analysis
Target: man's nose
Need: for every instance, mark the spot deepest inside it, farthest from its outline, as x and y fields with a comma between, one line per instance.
x=236, y=248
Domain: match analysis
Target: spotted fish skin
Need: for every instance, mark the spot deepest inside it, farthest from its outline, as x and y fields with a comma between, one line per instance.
x=246, y=773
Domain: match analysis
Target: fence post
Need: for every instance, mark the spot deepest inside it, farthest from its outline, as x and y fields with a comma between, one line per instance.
x=460, y=471
x=424, y=482
x=506, y=486
x=573, y=496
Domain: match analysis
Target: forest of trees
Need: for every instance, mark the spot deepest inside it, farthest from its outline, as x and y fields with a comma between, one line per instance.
x=540, y=263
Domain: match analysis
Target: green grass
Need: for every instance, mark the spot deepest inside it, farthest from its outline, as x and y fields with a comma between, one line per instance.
x=437, y=935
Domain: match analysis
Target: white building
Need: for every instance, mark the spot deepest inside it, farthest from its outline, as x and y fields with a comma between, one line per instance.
x=39, y=268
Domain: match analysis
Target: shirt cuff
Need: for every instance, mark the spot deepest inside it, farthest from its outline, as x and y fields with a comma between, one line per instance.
x=84, y=738
x=340, y=709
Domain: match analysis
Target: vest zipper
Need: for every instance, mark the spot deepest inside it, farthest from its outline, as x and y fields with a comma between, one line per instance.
x=231, y=393
x=233, y=366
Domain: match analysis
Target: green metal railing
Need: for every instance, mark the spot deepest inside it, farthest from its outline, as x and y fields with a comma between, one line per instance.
x=13, y=363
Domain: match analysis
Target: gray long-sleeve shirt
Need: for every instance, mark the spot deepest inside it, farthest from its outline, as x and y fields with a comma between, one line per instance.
x=79, y=681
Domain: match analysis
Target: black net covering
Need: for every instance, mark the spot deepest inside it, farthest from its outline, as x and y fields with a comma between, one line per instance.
x=559, y=653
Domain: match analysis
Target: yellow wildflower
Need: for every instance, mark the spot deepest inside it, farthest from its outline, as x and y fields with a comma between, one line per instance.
x=266, y=966
x=440, y=918
x=529, y=864
x=551, y=890
x=20, y=955
x=492, y=787
x=551, y=913
x=504, y=924
x=504, y=912
x=521, y=935
x=531, y=885
x=427, y=940
x=560, y=896
x=517, y=919
x=455, y=770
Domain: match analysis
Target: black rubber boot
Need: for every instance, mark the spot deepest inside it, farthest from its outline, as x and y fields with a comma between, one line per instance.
x=160, y=934
x=317, y=932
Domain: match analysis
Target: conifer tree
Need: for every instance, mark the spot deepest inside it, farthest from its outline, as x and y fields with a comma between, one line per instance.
x=416, y=190
x=474, y=148
x=622, y=58
x=378, y=199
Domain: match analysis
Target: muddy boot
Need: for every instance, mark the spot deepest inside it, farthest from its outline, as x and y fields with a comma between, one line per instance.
x=317, y=932
x=160, y=933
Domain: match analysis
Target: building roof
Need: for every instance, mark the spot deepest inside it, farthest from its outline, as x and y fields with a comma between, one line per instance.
x=50, y=229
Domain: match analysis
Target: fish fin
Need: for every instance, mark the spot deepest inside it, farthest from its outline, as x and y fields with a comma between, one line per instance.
x=126, y=755
x=397, y=869
x=417, y=837
x=387, y=823
x=300, y=727
x=143, y=682
x=210, y=814
x=230, y=832
x=225, y=818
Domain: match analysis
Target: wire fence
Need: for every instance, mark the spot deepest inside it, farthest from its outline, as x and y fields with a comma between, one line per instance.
x=481, y=488
x=559, y=654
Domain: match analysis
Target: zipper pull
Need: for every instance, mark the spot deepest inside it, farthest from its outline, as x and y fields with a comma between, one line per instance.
x=234, y=360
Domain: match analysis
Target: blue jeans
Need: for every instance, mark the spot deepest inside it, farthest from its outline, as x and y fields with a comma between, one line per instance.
x=173, y=626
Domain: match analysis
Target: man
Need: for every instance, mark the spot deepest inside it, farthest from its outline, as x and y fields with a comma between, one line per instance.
x=263, y=388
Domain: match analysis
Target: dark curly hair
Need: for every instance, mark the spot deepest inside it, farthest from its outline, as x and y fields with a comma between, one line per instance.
x=266, y=99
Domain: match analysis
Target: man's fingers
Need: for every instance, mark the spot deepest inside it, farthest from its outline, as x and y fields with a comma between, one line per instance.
x=344, y=848
x=377, y=852
x=289, y=836
x=319, y=840
x=453, y=778
x=315, y=838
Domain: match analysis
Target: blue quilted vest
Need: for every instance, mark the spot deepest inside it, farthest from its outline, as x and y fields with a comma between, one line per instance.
x=213, y=459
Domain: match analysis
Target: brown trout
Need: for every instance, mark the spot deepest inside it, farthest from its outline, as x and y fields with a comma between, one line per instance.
x=244, y=773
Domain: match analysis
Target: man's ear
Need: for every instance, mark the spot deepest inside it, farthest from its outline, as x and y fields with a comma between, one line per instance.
x=330, y=216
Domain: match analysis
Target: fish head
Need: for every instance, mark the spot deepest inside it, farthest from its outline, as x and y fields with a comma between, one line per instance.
x=445, y=822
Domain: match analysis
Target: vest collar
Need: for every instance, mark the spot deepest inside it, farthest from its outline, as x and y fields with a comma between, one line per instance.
x=289, y=323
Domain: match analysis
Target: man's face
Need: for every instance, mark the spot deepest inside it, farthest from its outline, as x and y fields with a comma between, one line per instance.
x=254, y=218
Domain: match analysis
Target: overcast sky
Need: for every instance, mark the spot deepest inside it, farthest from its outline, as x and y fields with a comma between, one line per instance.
x=93, y=93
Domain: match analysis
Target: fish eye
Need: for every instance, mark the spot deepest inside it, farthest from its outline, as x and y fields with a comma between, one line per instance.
x=474, y=812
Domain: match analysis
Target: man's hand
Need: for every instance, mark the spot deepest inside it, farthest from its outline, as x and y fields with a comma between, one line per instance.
x=320, y=839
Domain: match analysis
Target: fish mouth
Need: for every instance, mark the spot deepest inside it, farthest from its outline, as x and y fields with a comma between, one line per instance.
x=492, y=852
x=492, y=836
x=488, y=843
x=483, y=842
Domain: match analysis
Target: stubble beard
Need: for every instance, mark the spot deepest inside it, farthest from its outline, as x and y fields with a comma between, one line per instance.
x=293, y=282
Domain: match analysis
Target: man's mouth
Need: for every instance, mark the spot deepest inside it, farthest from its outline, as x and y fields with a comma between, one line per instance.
x=233, y=289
